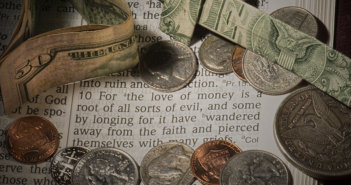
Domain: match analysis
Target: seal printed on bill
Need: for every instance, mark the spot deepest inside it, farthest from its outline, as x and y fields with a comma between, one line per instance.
x=168, y=66
x=32, y=139
x=209, y=158
x=63, y=163
x=313, y=131
x=167, y=164
x=255, y=167
x=106, y=166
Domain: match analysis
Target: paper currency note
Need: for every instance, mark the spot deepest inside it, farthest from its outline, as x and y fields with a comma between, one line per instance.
x=179, y=17
x=300, y=53
x=69, y=54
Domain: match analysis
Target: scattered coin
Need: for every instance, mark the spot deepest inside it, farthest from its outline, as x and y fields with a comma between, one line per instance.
x=237, y=57
x=63, y=164
x=209, y=158
x=268, y=77
x=167, y=164
x=254, y=167
x=313, y=131
x=32, y=139
x=215, y=54
x=168, y=66
x=106, y=166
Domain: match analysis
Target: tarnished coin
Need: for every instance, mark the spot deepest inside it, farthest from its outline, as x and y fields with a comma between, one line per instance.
x=32, y=139
x=108, y=166
x=167, y=65
x=268, y=77
x=63, y=164
x=167, y=163
x=236, y=62
x=313, y=131
x=255, y=167
x=215, y=54
x=298, y=18
x=209, y=158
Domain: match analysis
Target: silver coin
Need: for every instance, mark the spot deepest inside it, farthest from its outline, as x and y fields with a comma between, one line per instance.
x=313, y=131
x=167, y=164
x=268, y=77
x=215, y=54
x=167, y=66
x=63, y=163
x=254, y=167
x=108, y=166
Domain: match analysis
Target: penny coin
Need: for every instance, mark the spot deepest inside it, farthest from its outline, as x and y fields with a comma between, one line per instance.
x=236, y=62
x=106, y=166
x=167, y=163
x=268, y=77
x=32, y=139
x=313, y=131
x=167, y=65
x=254, y=167
x=215, y=54
x=63, y=164
x=209, y=158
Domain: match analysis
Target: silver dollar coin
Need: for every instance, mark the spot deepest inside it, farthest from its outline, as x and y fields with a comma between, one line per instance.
x=63, y=163
x=167, y=164
x=268, y=77
x=108, y=166
x=167, y=66
x=313, y=131
x=254, y=167
x=215, y=55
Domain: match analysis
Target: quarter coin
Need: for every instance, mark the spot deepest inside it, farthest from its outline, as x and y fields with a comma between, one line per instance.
x=254, y=167
x=209, y=158
x=167, y=65
x=63, y=164
x=167, y=163
x=32, y=139
x=313, y=131
x=106, y=166
x=215, y=54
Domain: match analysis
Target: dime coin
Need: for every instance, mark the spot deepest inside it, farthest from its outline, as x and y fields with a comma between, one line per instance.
x=168, y=66
x=32, y=139
x=268, y=77
x=63, y=164
x=254, y=167
x=209, y=158
x=215, y=54
x=236, y=63
x=313, y=131
x=167, y=163
x=106, y=166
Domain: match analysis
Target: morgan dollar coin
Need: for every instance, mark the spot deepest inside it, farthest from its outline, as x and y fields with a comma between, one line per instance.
x=268, y=77
x=32, y=139
x=167, y=164
x=313, y=131
x=64, y=162
x=255, y=167
x=167, y=65
x=215, y=54
x=108, y=166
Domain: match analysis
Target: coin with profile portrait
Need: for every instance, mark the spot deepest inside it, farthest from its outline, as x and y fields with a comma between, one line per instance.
x=167, y=65
x=167, y=163
x=106, y=166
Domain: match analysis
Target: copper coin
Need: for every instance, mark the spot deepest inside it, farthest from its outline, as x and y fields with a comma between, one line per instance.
x=236, y=63
x=209, y=158
x=32, y=139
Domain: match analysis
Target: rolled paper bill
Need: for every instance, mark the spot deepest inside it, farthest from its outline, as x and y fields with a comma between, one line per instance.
x=179, y=17
x=69, y=54
x=278, y=42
